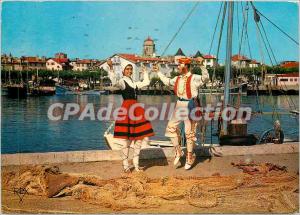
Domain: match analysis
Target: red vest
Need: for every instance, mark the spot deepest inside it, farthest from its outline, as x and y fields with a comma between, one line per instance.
x=187, y=86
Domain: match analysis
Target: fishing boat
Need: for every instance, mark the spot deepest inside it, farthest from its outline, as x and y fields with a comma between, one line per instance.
x=17, y=90
x=239, y=88
x=63, y=90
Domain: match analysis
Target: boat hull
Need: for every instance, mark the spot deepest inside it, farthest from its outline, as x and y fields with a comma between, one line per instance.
x=17, y=91
x=230, y=140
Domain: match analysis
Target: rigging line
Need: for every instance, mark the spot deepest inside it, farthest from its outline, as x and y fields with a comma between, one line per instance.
x=181, y=26
x=263, y=39
x=282, y=31
x=220, y=37
x=270, y=47
x=246, y=29
x=213, y=38
x=242, y=36
x=219, y=42
x=250, y=54
x=240, y=42
x=238, y=20
x=277, y=64
x=262, y=76
x=279, y=28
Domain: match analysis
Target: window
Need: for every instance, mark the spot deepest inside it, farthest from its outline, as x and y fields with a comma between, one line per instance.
x=295, y=79
x=283, y=79
x=291, y=79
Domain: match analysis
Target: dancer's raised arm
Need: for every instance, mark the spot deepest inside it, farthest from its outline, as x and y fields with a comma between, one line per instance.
x=146, y=81
x=116, y=82
x=200, y=80
x=167, y=81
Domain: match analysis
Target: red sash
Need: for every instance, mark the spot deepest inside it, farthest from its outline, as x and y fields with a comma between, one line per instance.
x=187, y=86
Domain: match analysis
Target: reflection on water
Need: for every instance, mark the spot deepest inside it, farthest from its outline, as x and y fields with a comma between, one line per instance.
x=26, y=128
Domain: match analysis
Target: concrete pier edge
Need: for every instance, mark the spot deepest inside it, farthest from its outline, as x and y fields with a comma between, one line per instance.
x=109, y=155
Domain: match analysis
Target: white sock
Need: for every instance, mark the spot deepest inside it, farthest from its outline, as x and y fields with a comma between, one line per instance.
x=136, y=154
x=125, y=154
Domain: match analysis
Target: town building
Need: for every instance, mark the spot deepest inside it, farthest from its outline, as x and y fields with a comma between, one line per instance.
x=240, y=61
x=8, y=62
x=282, y=80
x=84, y=64
x=59, y=63
x=121, y=60
x=179, y=54
x=209, y=61
x=289, y=64
x=149, y=48
x=254, y=64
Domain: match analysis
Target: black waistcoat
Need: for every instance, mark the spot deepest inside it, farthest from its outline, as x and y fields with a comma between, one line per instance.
x=129, y=92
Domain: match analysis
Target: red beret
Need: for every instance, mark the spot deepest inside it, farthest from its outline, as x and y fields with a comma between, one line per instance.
x=184, y=60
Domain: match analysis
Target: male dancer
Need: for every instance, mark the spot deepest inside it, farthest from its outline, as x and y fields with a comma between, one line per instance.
x=186, y=89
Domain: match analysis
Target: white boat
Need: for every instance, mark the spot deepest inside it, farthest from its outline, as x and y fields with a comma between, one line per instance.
x=62, y=90
x=114, y=143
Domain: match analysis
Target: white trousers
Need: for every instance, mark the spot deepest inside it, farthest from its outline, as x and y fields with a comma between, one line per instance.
x=179, y=115
x=136, y=152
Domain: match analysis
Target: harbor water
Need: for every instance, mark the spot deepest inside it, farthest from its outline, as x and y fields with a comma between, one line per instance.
x=27, y=128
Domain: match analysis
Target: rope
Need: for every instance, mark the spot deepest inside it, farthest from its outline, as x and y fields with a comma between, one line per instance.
x=219, y=40
x=282, y=31
x=213, y=38
x=262, y=56
x=181, y=26
x=268, y=43
x=263, y=39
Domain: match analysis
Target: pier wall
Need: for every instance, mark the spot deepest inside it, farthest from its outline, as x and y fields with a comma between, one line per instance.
x=109, y=155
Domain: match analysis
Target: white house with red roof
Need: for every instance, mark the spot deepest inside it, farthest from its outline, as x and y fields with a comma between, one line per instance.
x=209, y=60
x=83, y=64
x=254, y=64
x=290, y=79
x=121, y=60
x=289, y=64
x=60, y=62
x=240, y=61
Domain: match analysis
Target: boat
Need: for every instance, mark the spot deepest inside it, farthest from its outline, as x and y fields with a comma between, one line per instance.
x=17, y=91
x=64, y=90
x=114, y=143
x=4, y=91
x=42, y=88
x=238, y=89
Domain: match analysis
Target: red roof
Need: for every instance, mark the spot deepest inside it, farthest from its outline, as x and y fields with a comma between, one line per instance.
x=61, y=60
x=254, y=62
x=209, y=57
x=135, y=58
x=84, y=61
x=291, y=64
x=239, y=58
x=289, y=75
x=32, y=59
x=148, y=39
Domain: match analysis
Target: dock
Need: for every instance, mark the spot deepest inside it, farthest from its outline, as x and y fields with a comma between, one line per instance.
x=146, y=154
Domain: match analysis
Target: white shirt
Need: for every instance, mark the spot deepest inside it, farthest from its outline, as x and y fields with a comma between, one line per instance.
x=196, y=82
x=120, y=82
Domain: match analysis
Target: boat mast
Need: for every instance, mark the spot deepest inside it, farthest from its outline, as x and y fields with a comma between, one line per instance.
x=228, y=60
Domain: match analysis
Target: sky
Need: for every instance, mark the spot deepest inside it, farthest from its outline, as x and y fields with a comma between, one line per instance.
x=100, y=29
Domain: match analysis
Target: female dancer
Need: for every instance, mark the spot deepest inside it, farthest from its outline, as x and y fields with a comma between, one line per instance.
x=130, y=128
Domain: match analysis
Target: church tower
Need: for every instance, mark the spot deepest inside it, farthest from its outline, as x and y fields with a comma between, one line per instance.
x=149, y=48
